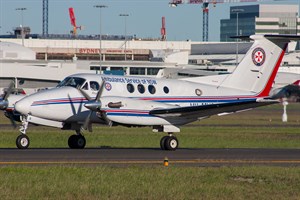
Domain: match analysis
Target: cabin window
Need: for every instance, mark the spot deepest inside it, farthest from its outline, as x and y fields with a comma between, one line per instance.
x=94, y=85
x=72, y=81
x=130, y=88
x=166, y=90
x=85, y=86
x=141, y=88
x=151, y=89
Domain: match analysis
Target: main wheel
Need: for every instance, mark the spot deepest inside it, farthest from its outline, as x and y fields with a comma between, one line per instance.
x=171, y=143
x=71, y=141
x=163, y=142
x=80, y=141
x=76, y=142
x=22, y=142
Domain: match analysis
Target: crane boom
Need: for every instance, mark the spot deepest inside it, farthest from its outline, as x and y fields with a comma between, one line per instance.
x=73, y=20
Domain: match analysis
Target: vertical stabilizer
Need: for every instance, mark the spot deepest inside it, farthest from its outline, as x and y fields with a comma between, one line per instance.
x=257, y=71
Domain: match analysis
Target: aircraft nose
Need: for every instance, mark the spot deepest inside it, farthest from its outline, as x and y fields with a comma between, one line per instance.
x=23, y=106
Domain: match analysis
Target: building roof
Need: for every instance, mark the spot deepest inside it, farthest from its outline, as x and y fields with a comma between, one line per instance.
x=9, y=50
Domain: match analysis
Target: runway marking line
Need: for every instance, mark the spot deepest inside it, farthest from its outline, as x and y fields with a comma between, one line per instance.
x=154, y=162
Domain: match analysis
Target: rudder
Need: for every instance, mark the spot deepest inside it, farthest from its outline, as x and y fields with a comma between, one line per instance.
x=257, y=71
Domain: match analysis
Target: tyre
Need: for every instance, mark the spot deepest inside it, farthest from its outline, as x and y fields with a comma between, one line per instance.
x=71, y=141
x=80, y=141
x=163, y=142
x=171, y=143
x=22, y=142
x=76, y=142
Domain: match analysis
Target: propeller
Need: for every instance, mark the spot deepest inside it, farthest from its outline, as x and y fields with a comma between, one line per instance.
x=10, y=115
x=4, y=102
x=93, y=105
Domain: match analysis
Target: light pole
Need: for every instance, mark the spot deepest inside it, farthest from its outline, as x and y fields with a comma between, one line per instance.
x=125, y=40
x=237, y=11
x=100, y=18
x=22, y=22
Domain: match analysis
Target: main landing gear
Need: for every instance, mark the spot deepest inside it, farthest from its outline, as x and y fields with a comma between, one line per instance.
x=169, y=142
x=77, y=141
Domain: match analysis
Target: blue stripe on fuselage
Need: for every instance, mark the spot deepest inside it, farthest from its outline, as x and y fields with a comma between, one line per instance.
x=162, y=100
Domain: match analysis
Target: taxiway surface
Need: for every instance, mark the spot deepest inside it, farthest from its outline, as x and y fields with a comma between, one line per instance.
x=130, y=156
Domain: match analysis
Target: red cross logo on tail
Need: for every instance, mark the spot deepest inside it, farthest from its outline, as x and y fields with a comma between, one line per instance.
x=258, y=56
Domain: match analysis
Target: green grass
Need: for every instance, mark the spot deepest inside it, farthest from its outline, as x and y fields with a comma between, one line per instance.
x=190, y=137
x=149, y=182
x=261, y=128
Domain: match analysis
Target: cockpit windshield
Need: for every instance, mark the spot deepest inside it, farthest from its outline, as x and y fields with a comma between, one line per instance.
x=71, y=81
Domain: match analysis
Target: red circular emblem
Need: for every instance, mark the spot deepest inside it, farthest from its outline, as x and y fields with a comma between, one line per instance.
x=258, y=56
x=108, y=86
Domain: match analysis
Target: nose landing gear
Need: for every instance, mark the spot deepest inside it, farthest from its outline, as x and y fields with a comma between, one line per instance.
x=23, y=141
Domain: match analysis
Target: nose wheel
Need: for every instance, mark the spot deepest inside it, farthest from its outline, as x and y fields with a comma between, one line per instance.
x=22, y=142
x=169, y=143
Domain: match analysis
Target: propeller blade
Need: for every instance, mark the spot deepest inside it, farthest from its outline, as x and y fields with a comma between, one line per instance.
x=104, y=117
x=9, y=90
x=4, y=102
x=99, y=94
x=87, y=122
x=84, y=94
x=10, y=116
x=92, y=105
x=12, y=121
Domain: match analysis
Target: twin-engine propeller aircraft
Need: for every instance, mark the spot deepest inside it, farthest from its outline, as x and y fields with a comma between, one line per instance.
x=165, y=105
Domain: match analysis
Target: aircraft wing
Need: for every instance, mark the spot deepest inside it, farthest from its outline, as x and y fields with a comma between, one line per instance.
x=209, y=110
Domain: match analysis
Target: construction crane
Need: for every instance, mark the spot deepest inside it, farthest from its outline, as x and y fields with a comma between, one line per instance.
x=73, y=22
x=45, y=17
x=205, y=8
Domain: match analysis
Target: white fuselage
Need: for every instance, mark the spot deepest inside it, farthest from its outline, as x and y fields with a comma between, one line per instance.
x=137, y=96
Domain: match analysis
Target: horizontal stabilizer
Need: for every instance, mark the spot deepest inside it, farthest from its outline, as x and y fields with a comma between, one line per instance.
x=270, y=36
